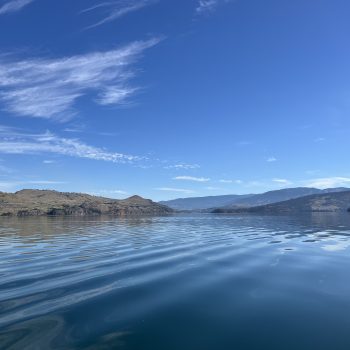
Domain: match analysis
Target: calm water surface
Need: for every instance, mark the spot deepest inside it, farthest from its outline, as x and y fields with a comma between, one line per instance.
x=183, y=282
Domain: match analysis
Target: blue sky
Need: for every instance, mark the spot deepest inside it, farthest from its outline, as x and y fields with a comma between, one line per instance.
x=173, y=98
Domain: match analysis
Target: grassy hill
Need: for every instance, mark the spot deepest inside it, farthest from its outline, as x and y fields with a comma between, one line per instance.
x=46, y=202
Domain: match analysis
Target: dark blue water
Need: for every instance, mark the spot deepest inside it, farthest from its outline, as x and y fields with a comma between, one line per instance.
x=183, y=282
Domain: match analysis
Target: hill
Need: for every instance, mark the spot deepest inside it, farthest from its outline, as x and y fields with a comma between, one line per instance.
x=46, y=202
x=201, y=203
x=249, y=200
x=279, y=196
x=325, y=202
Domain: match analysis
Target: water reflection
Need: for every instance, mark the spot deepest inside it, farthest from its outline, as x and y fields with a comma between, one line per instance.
x=95, y=283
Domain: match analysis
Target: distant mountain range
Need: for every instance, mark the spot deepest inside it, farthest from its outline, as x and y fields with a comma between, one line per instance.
x=325, y=202
x=53, y=203
x=228, y=202
x=200, y=203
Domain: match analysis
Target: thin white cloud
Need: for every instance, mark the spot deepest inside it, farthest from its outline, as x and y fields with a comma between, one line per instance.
x=191, y=178
x=282, y=182
x=109, y=193
x=255, y=183
x=271, y=159
x=50, y=87
x=208, y=6
x=14, y=142
x=116, y=9
x=237, y=182
x=328, y=182
x=45, y=182
x=14, y=6
x=171, y=189
x=183, y=166
x=10, y=185
x=49, y=161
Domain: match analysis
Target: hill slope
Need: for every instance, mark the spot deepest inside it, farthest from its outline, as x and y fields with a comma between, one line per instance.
x=325, y=202
x=279, y=196
x=45, y=202
x=249, y=200
x=199, y=203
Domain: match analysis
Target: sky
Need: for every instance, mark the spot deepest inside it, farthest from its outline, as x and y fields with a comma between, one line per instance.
x=174, y=98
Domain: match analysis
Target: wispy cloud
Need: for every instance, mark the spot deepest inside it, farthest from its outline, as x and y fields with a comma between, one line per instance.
x=282, y=182
x=183, y=166
x=208, y=6
x=15, y=142
x=328, y=182
x=237, y=182
x=49, y=87
x=109, y=193
x=271, y=159
x=191, y=178
x=44, y=182
x=115, y=9
x=10, y=185
x=14, y=6
x=171, y=189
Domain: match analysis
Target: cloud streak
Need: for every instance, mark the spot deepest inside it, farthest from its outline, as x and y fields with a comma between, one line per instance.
x=10, y=185
x=208, y=6
x=116, y=9
x=183, y=166
x=14, y=142
x=191, y=178
x=171, y=189
x=237, y=182
x=328, y=182
x=50, y=87
x=282, y=182
x=14, y=6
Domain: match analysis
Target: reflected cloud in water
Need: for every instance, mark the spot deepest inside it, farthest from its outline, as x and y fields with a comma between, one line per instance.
x=86, y=283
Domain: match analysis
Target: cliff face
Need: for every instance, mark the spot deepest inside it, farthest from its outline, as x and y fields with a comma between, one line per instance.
x=47, y=203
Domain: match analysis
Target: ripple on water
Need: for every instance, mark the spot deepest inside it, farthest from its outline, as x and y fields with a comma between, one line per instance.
x=89, y=283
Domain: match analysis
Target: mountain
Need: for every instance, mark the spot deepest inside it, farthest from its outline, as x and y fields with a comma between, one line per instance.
x=279, y=196
x=200, y=203
x=249, y=200
x=46, y=202
x=325, y=202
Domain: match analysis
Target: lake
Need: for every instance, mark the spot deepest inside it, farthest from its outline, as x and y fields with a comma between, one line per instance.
x=178, y=282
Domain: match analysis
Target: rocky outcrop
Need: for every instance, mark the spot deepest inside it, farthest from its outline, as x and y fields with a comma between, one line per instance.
x=53, y=203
